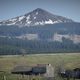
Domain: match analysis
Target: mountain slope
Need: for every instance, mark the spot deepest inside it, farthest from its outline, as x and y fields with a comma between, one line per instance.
x=36, y=17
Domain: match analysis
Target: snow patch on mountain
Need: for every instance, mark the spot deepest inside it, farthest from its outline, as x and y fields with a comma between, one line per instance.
x=12, y=23
x=21, y=18
x=49, y=22
x=40, y=23
x=36, y=13
x=34, y=17
x=28, y=17
x=14, y=19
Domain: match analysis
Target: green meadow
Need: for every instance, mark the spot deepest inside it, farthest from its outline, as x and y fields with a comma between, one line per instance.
x=7, y=63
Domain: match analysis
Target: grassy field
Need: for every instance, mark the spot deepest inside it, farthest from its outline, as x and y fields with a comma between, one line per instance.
x=68, y=61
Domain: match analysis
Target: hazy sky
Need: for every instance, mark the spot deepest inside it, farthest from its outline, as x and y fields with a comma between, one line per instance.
x=66, y=8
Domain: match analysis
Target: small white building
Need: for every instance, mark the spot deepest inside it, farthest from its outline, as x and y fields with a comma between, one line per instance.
x=49, y=75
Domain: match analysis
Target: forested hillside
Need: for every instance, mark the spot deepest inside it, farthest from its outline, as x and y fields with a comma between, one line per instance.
x=39, y=39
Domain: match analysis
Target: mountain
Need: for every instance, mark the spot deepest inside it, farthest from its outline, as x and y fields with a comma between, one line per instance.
x=36, y=17
x=39, y=32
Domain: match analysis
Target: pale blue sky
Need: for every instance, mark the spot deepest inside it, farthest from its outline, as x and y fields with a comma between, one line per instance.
x=66, y=8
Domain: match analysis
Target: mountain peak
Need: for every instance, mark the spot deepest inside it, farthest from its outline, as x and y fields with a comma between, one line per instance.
x=36, y=17
x=38, y=9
